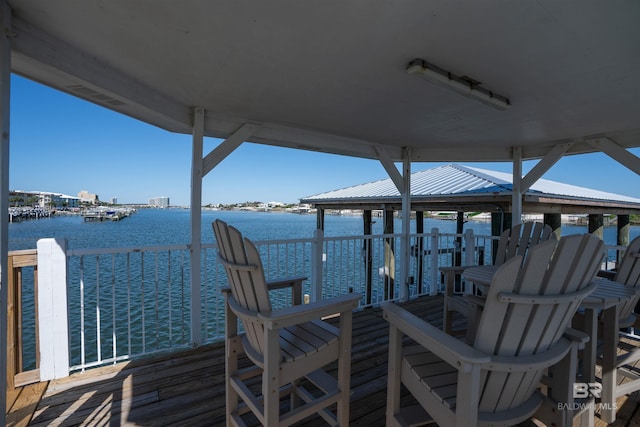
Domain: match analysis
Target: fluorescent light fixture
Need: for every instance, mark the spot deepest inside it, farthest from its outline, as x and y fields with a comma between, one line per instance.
x=464, y=86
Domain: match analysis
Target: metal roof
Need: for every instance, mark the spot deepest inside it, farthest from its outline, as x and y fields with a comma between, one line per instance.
x=457, y=185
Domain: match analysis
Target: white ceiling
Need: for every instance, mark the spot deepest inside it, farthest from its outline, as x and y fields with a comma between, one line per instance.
x=331, y=75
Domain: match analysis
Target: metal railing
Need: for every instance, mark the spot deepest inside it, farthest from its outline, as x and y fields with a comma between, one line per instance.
x=129, y=302
x=126, y=302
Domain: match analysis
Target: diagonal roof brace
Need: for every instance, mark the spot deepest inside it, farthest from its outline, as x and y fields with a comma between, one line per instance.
x=234, y=140
x=544, y=165
x=390, y=167
x=616, y=152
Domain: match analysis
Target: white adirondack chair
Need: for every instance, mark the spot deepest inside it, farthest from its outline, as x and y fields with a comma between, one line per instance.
x=513, y=241
x=627, y=378
x=628, y=273
x=288, y=347
x=522, y=331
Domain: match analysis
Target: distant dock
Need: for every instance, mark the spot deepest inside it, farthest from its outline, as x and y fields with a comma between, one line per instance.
x=107, y=214
x=22, y=213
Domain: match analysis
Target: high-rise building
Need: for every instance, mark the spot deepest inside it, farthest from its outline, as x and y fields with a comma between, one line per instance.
x=160, y=202
x=85, y=196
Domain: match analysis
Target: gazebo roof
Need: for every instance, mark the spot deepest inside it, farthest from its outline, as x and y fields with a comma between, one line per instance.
x=458, y=187
x=335, y=76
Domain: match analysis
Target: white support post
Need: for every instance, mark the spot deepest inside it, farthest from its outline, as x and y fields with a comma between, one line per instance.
x=433, y=256
x=405, y=241
x=5, y=85
x=196, y=225
x=317, y=260
x=516, y=196
x=53, y=326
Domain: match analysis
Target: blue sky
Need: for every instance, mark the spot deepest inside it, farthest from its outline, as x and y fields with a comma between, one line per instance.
x=63, y=144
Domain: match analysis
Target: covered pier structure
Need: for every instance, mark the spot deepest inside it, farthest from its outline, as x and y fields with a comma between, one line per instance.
x=406, y=82
x=465, y=189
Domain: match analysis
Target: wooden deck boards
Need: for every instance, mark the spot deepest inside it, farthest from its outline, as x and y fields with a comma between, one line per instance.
x=187, y=388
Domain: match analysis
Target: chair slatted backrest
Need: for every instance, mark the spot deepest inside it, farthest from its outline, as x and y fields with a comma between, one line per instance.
x=246, y=279
x=629, y=274
x=519, y=238
x=523, y=327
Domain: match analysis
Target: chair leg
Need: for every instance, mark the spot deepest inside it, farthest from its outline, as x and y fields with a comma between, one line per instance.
x=344, y=368
x=473, y=319
x=609, y=368
x=233, y=348
x=468, y=392
x=449, y=283
x=394, y=381
x=563, y=376
x=295, y=400
x=271, y=379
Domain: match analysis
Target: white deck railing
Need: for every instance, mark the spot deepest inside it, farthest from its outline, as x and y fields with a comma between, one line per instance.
x=129, y=302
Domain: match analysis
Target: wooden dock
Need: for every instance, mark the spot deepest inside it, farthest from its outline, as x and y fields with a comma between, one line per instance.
x=106, y=215
x=187, y=388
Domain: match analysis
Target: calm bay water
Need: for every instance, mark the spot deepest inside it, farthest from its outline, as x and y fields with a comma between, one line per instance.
x=154, y=227
x=157, y=227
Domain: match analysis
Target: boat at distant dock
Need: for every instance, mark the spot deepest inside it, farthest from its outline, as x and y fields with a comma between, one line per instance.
x=103, y=214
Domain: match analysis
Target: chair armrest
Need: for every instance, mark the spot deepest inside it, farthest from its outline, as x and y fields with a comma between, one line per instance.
x=457, y=269
x=294, y=282
x=446, y=347
x=607, y=274
x=475, y=300
x=450, y=274
x=303, y=313
x=286, y=282
x=577, y=336
x=533, y=362
x=636, y=323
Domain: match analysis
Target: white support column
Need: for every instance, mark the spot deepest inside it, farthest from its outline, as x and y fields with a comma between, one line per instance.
x=405, y=242
x=516, y=196
x=196, y=225
x=53, y=325
x=5, y=84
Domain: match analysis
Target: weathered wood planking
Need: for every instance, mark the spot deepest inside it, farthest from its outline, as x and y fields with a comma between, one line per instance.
x=187, y=388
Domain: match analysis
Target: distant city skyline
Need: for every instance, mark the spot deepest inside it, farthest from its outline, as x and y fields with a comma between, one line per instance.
x=60, y=143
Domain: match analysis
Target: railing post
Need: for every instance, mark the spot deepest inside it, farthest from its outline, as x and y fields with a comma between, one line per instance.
x=435, y=238
x=469, y=247
x=52, y=309
x=317, y=258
